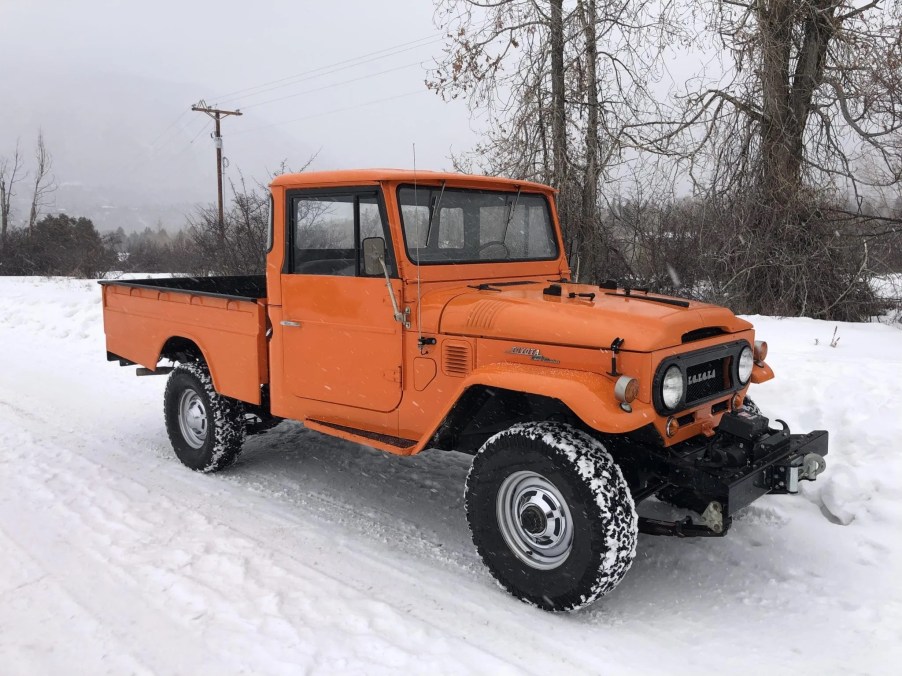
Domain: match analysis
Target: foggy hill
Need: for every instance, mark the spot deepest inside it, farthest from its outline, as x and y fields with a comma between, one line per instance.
x=122, y=146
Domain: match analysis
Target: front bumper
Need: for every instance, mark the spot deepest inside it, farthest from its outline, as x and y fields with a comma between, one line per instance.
x=744, y=460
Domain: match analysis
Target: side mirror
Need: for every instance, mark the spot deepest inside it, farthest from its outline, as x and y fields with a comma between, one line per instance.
x=373, y=250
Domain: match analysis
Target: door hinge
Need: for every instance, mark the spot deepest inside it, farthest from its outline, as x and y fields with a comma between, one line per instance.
x=393, y=375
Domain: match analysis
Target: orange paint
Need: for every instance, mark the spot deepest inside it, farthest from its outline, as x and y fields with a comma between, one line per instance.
x=331, y=352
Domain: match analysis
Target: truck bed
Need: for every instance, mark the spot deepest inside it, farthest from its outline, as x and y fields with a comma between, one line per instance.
x=249, y=287
x=225, y=317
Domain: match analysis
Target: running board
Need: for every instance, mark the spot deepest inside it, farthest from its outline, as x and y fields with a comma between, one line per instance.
x=384, y=442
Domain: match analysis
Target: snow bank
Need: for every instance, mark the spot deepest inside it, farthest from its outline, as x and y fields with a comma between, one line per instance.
x=312, y=555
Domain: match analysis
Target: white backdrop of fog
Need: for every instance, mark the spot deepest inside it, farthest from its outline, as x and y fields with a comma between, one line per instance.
x=109, y=83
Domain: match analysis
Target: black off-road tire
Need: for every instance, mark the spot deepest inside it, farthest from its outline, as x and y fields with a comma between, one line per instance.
x=601, y=510
x=215, y=434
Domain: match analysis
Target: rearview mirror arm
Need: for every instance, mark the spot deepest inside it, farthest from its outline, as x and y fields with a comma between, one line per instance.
x=402, y=317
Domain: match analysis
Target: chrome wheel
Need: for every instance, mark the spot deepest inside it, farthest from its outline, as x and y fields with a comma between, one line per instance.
x=534, y=520
x=192, y=418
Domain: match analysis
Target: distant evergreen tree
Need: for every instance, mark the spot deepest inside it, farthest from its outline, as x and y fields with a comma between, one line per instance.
x=59, y=245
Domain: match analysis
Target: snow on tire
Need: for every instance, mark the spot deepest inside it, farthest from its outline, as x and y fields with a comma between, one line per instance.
x=206, y=429
x=551, y=515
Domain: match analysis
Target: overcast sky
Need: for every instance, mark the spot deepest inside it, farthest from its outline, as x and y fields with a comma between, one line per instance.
x=110, y=81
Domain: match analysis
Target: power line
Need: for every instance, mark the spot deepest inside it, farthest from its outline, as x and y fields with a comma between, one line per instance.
x=200, y=131
x=335, y=84
x=331, y=112
x=171, y=126
x=294, y=79
x=326, y=70
x=297, y=78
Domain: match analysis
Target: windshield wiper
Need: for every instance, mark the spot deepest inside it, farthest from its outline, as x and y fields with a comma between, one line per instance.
x=491, y=286
x=653, y=299
x=510, y=214
x=434, y=207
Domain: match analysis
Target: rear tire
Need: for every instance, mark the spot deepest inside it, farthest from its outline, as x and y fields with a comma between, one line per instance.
x=551, y=515
x=206, y=429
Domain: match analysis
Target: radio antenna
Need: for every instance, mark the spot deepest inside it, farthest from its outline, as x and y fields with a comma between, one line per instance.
x=416, y=215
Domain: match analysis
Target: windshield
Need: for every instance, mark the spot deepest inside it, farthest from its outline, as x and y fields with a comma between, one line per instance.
x=475, y=226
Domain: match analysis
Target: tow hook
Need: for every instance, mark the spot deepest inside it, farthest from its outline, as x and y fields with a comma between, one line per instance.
x=812, y=466
x=804, y=468
x=712, y=517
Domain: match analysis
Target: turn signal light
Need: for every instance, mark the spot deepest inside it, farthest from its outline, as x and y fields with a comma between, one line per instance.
x=626, y=389
x=760, y=351
x=671, y=427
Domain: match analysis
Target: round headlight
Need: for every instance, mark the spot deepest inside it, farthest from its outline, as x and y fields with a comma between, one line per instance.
x=746, y=360
x=672, y=387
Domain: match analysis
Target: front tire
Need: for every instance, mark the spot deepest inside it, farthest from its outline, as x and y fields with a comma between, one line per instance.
x=551, y=515
x=206, y=429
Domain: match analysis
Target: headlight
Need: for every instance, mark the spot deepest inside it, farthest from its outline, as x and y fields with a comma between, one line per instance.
x=672, y=387
x=746, y=361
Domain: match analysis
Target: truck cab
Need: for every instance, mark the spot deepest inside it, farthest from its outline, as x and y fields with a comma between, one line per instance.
x=414, y=310
x=366, y=265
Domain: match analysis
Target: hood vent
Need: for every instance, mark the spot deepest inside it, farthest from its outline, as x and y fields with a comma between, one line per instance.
x=701, y=334
x=484, y=313
x=456, y=358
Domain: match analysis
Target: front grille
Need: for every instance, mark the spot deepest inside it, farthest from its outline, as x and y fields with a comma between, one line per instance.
x=707, y=379
x=709, y=373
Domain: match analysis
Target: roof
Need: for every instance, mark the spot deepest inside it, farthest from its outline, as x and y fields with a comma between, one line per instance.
x=351, y=176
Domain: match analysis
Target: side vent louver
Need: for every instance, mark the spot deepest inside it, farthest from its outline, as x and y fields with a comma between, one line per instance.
x=456, y=358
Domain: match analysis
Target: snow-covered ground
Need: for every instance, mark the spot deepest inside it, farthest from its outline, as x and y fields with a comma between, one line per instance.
x=316, y=556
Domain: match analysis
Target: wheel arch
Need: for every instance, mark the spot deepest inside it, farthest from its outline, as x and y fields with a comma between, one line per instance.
x=579, y=398
x=182, y=349
x=186, y=349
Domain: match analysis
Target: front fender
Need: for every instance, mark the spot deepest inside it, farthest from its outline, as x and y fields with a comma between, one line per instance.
x=589, y=395
x=761, y=373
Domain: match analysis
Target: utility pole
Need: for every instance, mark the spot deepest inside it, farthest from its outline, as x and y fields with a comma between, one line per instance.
x=217, y=115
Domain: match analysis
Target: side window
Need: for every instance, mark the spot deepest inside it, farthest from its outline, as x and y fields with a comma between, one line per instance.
x=328, y=230
x=370, y=218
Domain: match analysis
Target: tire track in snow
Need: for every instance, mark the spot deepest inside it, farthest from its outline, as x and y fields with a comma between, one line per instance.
x=425, y=604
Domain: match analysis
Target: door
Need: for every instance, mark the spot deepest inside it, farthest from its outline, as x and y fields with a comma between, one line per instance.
x=341, y=343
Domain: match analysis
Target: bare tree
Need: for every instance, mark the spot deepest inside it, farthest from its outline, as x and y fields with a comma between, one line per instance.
x=237, y=246
x=806, y=107
x=558, y=81
x=9, y=176
x=43, y=181
x=815, y=87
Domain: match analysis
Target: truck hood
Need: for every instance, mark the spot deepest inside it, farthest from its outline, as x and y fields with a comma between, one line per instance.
x=525, y=313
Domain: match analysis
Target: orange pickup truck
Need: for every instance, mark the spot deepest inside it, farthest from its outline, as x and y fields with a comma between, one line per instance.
x=408, y=311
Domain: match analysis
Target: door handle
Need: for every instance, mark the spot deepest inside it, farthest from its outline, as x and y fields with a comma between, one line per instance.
x=286, y=322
